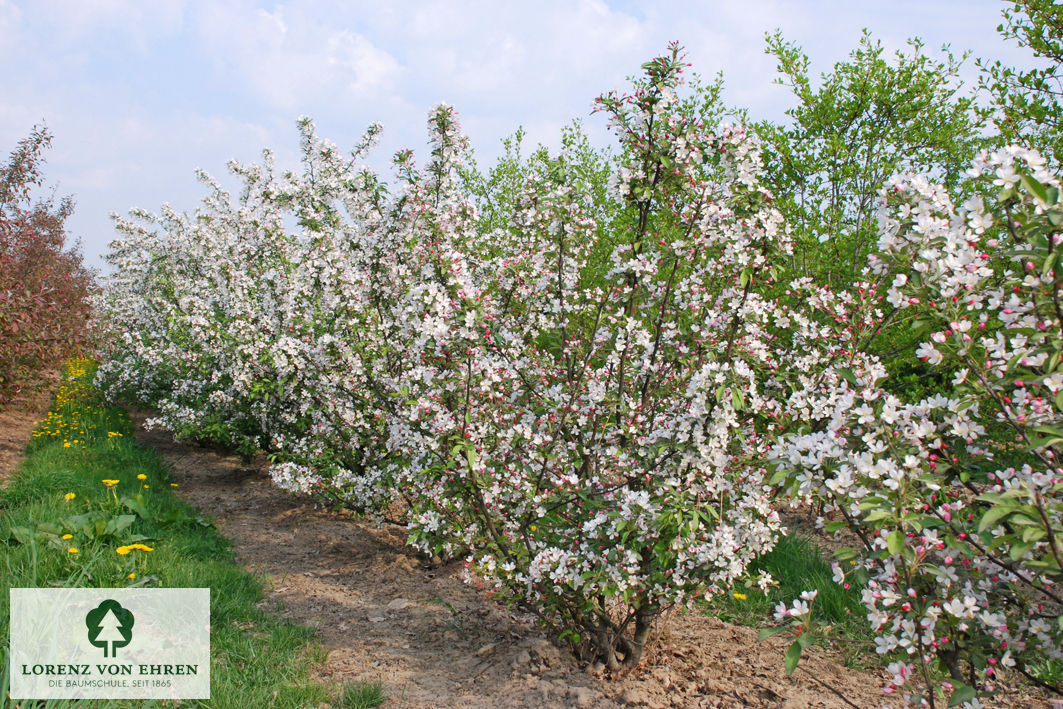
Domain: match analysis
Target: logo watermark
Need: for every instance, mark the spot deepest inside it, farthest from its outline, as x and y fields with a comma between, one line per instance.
x=110, y=643
x=110, y=624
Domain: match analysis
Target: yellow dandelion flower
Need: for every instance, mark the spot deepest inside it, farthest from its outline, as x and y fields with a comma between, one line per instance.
x=140, y=547
x=69, y=496
x=132, y=576
x=66, y=444
x=142, y=476
x=73, y=550
x=740, y=596
x=173, y=484
x=68, y=536
x=147, y=487
x=109, y=483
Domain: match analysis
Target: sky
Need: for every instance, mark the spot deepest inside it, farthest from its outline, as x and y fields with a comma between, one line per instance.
x=138, y=94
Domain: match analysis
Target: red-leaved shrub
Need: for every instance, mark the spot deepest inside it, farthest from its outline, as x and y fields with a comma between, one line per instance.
x=44, y=286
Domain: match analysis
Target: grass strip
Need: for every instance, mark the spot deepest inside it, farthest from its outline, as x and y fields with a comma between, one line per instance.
x=91, y=508
x=797, y=564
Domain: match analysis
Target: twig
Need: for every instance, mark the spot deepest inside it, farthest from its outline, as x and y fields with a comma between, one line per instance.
x=1039, y=682
x=829, y=688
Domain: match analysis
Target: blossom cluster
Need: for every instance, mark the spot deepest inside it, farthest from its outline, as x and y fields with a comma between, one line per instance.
x=955, y=500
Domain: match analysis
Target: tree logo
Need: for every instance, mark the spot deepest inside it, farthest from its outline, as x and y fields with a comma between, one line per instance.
x=110, y=626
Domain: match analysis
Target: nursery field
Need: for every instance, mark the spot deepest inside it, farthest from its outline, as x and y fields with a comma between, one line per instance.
x=382, y=613
x=389, y=615
x=730, y=413
x=390, y=624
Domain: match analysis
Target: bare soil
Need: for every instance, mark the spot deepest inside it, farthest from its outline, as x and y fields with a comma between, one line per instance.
x=388, y=615
x=18, y=418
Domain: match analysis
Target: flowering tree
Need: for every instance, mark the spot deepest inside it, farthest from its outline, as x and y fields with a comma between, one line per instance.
x=579, y=398
x=959, y=530
x=237, y=330
x=581, y=392
x=590, y=413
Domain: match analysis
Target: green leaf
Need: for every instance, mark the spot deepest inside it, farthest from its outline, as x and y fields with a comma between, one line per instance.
x=962, y=694
x=766, y=633
x=119, y=523
x=1018, y=551
x=895, y=541
x=1035, y=187
x=1033, y=534
x=708, y=513
x=20, y=535
x=721, y=392
x=847, y=374
x=50, y=528
x=1047, y=266
x=793, y=656
x=832, y=527
x=133, y=504
x=992, y=515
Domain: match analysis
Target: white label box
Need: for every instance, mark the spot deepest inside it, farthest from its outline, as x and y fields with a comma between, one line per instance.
x=110, y=643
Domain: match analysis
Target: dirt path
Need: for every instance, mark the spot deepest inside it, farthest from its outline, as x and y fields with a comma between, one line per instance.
x=17, y=420
x=433, y=641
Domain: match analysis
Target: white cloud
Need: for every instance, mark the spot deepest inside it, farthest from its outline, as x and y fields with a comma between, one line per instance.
x=143, y=161
x=140, y=23
x=9, y=19
x=287, y=60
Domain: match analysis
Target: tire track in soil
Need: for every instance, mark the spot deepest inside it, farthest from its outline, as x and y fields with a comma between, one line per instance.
x=388, y=615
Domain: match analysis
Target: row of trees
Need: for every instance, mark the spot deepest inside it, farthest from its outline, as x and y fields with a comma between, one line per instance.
x=598, y=377
x=44, y=287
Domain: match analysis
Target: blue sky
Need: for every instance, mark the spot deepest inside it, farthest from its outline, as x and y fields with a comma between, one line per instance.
x=140, y=93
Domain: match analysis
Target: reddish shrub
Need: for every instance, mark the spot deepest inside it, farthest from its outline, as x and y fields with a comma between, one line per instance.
x=44, y=286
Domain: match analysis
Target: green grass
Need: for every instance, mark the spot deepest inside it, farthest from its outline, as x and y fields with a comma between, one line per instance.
x=797, y=564
x=257, y=660
x=1049, y=672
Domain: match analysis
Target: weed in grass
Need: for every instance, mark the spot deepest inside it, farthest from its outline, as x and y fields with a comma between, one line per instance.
x=361, y=695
